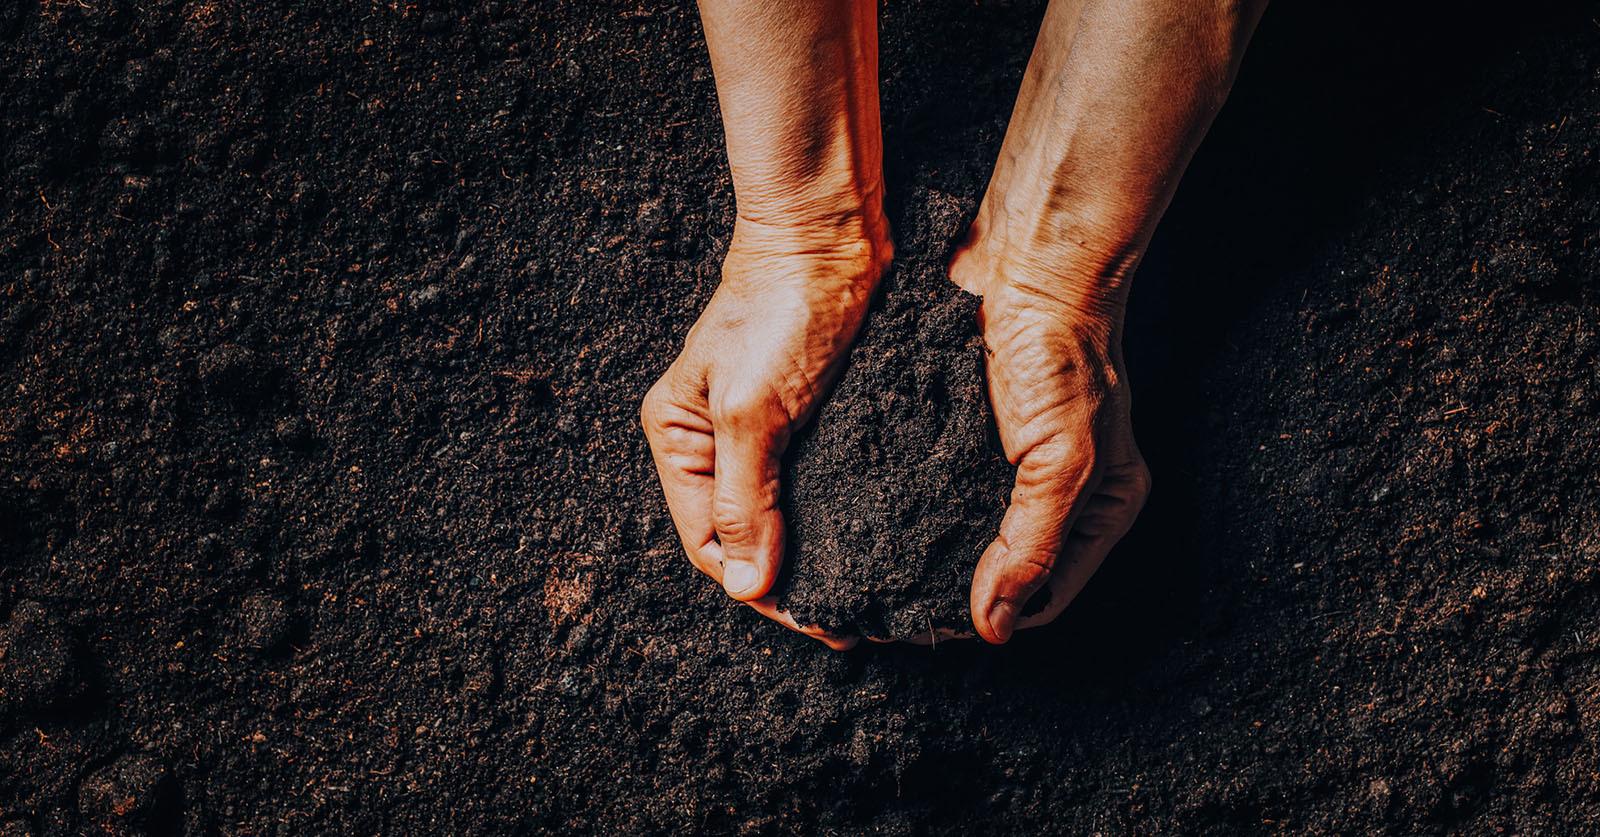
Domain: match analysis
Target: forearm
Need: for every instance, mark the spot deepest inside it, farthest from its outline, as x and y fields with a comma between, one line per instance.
x=798, y=86
x=1115, y=100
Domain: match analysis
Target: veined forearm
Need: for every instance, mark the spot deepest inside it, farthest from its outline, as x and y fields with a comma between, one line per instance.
x=798, y=86
x=1115, y=100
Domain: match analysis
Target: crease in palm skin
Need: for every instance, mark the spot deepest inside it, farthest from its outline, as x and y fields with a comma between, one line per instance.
x=1117, y=95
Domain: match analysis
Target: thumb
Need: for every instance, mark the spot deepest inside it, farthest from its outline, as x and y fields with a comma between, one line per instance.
x=1051, y=488
x=744, y=502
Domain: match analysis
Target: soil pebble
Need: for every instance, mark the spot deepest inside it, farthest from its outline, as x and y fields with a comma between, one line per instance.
x=263, y=624
x=897, y=486
x=37, y=666
x=128, y=796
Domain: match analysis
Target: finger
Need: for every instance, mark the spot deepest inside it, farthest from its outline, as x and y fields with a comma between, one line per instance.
x=744, y=501
x=1105, y=520
x=768, y=607
x=683, y=449
x=1053, y=482
x=1085, y=550
x=709, y=561
x=682, y=445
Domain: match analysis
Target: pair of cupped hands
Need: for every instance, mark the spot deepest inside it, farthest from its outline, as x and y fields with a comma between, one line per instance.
x=776, y=333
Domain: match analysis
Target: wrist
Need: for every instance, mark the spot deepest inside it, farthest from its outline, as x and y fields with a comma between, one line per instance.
x=829, y=210
x=846, y=243
x=1081, y=273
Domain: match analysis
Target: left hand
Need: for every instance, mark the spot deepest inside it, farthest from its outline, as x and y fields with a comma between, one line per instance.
x=1062, y=406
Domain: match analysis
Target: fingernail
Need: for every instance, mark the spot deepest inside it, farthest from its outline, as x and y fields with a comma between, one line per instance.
x=739, y=577
x=1002, y=616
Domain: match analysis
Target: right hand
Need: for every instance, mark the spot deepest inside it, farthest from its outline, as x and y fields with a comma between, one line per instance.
x=753, y=370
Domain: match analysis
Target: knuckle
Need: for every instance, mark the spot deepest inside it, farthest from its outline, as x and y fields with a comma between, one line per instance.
x=731, y=520
x=652, y=410
x=1029, y=571
x=1044, y=460
x=735, y=413
x=741, y=409
x=1143, y=482
x=1057, y=464
x=668, y=403
x=1037, y=565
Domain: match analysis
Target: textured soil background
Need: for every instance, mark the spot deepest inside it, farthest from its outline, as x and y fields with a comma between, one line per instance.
x=323, y=506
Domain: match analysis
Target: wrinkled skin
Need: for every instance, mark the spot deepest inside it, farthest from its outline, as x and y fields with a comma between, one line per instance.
x=1062, y=405
x=1116, y=98
x=753, y=370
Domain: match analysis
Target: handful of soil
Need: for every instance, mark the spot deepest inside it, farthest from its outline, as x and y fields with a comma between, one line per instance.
x=899, y=483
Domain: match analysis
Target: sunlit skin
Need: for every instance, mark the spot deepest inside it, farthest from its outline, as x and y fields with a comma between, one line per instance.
x=1115, y=99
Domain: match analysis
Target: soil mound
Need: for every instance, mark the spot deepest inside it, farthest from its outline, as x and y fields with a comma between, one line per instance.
x=899, y=483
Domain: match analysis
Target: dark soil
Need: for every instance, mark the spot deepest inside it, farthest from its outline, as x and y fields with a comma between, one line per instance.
x=324, y=507
x=900, y=482
x=37, y=665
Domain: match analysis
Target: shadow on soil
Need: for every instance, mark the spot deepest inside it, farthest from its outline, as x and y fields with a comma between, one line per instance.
x=1330, y=100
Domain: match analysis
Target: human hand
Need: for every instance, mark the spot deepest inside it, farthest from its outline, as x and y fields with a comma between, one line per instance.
x=1061, y=403
x=752, y=370
x=1115, y=99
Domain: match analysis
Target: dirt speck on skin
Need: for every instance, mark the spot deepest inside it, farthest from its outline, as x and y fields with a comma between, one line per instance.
x=897, y=486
